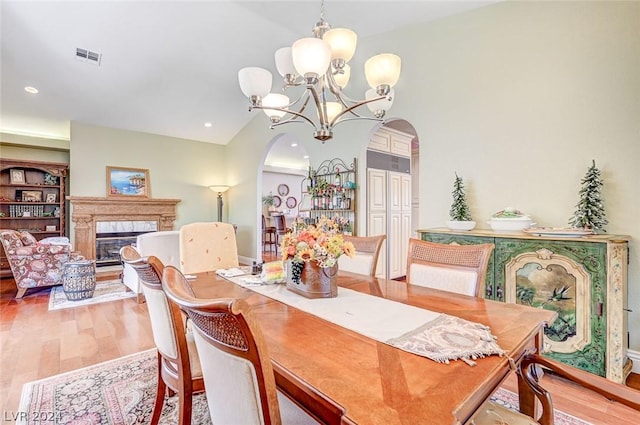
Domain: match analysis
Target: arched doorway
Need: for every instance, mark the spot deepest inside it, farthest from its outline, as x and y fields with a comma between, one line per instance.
x=285, y=164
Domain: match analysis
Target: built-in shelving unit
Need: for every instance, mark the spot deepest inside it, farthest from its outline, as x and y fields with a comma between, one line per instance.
x=32, y=198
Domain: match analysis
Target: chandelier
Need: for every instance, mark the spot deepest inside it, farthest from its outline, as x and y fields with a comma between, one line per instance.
x=320, y=65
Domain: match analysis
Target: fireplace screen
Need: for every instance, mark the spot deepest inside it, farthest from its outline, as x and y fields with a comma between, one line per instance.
x=113, y=235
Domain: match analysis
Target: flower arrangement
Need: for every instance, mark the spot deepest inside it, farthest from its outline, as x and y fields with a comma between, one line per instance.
x=321, y=242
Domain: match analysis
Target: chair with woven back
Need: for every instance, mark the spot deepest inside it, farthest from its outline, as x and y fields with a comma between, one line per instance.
x=530, y=369
x=454, y=268
x=239, y=378
x=178, y=360
x=367, y=253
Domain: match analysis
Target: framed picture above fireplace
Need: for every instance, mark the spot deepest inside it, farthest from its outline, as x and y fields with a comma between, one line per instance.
x=128, y=182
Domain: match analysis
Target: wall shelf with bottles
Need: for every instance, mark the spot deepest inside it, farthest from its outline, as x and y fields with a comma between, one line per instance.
x=330, y=191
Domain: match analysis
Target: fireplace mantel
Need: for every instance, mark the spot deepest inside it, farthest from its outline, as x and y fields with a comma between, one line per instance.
x=86, y=211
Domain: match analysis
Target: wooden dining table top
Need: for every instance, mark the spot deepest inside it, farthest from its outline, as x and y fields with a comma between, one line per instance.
x=344, y=377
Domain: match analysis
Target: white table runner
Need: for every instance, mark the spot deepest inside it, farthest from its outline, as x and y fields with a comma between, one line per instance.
x=438, y=336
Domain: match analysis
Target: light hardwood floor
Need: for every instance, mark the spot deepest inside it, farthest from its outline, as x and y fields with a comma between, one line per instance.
x=36, y=343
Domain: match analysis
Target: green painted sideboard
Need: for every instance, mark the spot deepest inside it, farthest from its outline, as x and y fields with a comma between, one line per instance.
x=584, y=279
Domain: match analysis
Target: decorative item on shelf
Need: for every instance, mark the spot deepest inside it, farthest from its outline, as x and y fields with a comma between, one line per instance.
x=460, y=213
x=590, y=212
x=16, y=176
x=510, y=220
x=51, y=198
x=50, y=179
x=319, y=65
x=311, y=254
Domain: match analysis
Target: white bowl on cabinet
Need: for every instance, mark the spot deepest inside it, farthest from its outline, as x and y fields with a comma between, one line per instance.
x=514, y=224
x=461, y=225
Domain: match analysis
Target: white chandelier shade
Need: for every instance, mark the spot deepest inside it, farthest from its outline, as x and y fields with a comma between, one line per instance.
x=382, y=70
x=342, y=78
x=342, y=42
x=255, y=81
x=379, y=107
x=275, y=100
x=319, y=66
x=311, y=56
x=284, y=62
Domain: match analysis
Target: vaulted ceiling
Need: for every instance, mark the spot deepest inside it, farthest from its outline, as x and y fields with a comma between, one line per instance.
x=166, y=67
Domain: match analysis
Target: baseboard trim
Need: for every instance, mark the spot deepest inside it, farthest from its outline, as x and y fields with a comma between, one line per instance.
x=635, y=358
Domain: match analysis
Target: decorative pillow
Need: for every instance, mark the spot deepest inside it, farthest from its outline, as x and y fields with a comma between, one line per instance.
x=28, y=239
x=56, y=240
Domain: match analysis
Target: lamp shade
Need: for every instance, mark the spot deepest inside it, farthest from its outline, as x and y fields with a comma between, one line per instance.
x=219, y=188
x=342, y=42
x=333, y=109
x=311, y=56
x=343, y=79
x=255, y=81
x=284, y=61
x=378, y=105
x=382, y=69
x=275, y=100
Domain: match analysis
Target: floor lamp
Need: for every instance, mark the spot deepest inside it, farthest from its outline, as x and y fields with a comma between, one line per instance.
x=220, y=189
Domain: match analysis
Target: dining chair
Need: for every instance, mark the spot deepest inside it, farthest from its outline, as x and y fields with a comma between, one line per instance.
x=268, y=234
x=366, y=258
x=178, y=360
x=455, y=268
x=280, y=222
x=207, y=247
x=239, y=379
x=530, y=370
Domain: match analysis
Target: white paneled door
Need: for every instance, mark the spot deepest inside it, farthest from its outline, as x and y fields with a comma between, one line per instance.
x=389, y=213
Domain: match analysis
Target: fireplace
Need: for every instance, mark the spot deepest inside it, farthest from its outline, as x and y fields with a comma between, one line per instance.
x=113, y=235
x=88, y=213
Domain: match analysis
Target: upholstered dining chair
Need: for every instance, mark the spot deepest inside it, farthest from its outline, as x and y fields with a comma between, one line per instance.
x=239, y=378
x=455, y=268
x=491, y=413
x=178, y=360
x=367, y=253
x=207, y=247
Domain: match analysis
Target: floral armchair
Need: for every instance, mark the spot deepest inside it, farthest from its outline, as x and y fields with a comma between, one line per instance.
x=36, y=264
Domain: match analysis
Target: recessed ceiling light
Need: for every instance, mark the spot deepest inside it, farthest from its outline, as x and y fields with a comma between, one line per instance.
x=293, y=145
x=208, y=124
x=306, y=157
x=31, y=90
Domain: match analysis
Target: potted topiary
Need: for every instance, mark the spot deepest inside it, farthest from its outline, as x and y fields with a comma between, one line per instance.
x=459, y=213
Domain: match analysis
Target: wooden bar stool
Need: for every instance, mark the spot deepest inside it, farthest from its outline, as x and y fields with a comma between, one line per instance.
x=268, y=235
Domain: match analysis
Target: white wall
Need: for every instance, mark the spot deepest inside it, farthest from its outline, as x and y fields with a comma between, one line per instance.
x=178, y=168
x=518, y=98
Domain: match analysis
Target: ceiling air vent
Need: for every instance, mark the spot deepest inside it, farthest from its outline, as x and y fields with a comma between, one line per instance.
x=88, y=56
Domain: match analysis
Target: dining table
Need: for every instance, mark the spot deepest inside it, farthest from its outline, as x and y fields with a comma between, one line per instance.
x=344, y=377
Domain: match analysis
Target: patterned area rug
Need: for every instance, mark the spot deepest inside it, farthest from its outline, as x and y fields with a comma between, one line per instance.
x=117, y=392
x=108, y=290
x=122, y=391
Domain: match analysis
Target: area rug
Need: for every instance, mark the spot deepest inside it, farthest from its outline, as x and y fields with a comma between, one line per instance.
x=108, y=290
x=122, y=392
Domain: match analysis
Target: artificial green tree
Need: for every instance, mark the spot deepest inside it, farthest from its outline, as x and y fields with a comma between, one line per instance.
x=590, y=209
x=459, y=209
